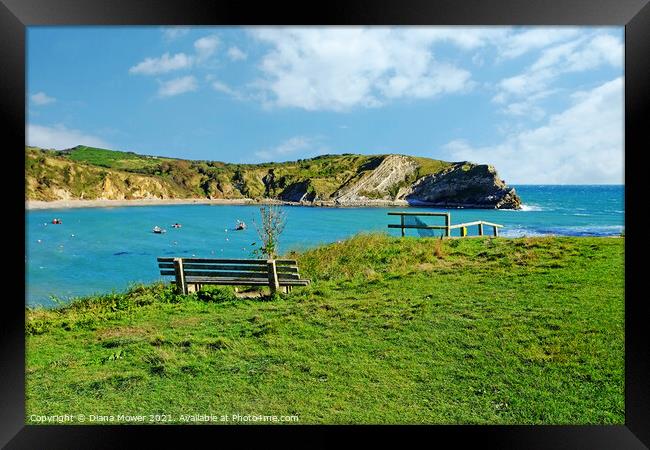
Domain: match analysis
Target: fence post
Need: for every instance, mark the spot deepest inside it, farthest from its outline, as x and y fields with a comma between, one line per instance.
x=447, y=224
x=273, y=275
x=180, y=275
x=463, y=231
x=496, y=231
x=480, y=229
x=402, y=223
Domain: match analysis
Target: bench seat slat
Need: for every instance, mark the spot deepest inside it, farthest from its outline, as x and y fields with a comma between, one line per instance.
x=222, y=274
x=251, y=268
x=243, y=281
x=227, y=281
x=288, y=276
x=211, y=260
x=233, y=261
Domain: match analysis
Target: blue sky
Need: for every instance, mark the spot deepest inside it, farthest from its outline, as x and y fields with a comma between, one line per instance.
x=544, y=105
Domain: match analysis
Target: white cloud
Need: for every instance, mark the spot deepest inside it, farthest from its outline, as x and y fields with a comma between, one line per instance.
x=581, y=54
x=466, y=38
x=289, y=147
x=177, y=86
x=173, y=33
x=581, y=145
x=224, y=88
x=509, y=42
x=519, y=43
x=235, y=54
x=206, y=46
x=525, y=109
x=341, y=68
x=41, y=98
x=164, y=64
x=59, y=137
x=527, y=106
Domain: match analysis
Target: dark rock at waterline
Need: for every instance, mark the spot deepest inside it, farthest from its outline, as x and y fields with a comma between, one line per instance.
x=464, y=185
x=301, y=191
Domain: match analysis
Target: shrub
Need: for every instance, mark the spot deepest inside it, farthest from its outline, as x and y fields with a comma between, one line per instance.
x=35, y=326
x=272, y=224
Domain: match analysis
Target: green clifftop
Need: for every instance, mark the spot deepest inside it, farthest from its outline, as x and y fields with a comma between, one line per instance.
x=391, y=330
x=348, y=179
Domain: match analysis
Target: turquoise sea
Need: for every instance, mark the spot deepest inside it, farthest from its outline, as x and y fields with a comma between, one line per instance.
x=99, y=250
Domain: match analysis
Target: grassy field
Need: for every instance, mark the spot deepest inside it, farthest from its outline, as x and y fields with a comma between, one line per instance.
x=412, y=330
x=112, y=159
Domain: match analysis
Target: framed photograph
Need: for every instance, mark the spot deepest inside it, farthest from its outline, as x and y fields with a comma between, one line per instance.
x=407, y=216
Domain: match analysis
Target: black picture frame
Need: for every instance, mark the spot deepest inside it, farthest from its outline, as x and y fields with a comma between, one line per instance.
x=16, y=15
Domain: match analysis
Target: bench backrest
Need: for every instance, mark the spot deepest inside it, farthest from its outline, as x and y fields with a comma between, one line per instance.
x=254, y=269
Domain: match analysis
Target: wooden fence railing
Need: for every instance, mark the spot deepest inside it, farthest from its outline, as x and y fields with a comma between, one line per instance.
x=447, y=227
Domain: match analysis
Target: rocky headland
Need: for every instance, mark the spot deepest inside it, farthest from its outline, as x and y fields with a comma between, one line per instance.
x=88, y=174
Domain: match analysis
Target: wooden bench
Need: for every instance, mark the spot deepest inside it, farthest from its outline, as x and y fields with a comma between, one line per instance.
x=236, y=272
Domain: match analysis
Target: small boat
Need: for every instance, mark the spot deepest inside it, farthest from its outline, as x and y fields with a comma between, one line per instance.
x=240, y=225
x=177, y=225
x=56, y=221
x=158, y=230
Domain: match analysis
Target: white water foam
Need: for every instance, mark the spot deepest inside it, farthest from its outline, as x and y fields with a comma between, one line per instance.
x=532, y=208
x=528, y=208
x=605, y=230
x=522, y=232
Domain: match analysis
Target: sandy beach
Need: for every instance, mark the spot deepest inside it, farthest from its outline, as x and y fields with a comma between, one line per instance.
x=103, y=203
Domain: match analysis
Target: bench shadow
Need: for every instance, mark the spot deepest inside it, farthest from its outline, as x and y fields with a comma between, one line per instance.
x=253, y=295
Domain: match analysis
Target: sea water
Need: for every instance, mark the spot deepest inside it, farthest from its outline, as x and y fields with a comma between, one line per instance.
x=100, y=250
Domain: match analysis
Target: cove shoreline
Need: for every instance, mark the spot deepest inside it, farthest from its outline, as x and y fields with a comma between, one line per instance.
x=105, y=203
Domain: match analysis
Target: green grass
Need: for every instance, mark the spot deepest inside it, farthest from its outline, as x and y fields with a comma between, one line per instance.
x=113, y=159
x=412, y=330
x=427, y=166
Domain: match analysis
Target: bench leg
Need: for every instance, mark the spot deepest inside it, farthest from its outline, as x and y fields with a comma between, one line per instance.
x=180, y=275
x=273, y=276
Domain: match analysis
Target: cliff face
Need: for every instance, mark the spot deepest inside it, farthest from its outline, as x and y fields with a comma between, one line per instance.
x=464, y=185
x=377, y=180
x=344, y=180
x=49, y=178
